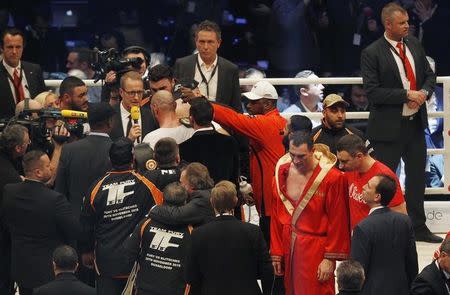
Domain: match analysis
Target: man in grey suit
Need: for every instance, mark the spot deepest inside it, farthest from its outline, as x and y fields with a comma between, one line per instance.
x=384, y=242
x=217, y=77
x=398, y=79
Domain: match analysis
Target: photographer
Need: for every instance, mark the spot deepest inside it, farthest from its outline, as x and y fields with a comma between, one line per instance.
x=113, y=76
x=45, y=131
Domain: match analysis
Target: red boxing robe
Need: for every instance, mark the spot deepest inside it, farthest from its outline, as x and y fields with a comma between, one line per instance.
x=321, y=230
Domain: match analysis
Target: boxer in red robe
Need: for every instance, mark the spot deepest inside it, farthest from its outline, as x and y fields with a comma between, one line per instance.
x=310, y=221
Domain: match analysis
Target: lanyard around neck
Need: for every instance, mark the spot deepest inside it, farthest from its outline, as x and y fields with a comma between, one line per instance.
x=204, y=80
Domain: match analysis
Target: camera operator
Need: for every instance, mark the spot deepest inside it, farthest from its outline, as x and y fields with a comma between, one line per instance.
x=14, y=141
x=45, y=133
x=112, y=78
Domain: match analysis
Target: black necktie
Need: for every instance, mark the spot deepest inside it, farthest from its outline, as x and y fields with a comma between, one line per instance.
x=128, y=126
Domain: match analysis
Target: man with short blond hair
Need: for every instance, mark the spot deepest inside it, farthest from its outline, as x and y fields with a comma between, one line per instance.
x=398, y=80
x=132, y=91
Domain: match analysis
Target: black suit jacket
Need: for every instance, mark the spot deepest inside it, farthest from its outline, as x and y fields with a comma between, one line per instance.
x=8, y=174
x=65, y=283
x=81, y=163
x=228, y=256
x=196, y=212
x=429, y=282
x=39, y=220
x=35, y=82
x=385, y=246
x=149, y=123
x=228, y=90
x=384, y=88
x=218, y=152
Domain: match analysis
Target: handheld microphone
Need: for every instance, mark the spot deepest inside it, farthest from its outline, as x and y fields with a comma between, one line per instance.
x=135, y=115
x=73, y=114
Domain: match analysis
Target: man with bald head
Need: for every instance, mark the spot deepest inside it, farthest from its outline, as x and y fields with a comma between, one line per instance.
x=131, y=90
x=163, y=105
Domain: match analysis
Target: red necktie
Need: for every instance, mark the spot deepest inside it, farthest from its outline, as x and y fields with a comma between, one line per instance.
x=409, y=70
x=20, y=94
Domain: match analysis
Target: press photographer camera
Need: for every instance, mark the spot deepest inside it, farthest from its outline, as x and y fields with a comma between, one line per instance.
x=42, y=123
x=110, y=60
x=183, y=87
x=112, y=66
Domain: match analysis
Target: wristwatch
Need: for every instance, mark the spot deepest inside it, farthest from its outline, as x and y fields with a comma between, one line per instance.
x=424, y=91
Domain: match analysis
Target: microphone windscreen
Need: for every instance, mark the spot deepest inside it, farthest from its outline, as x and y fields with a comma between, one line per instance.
x=73, y=114
x=135, y=113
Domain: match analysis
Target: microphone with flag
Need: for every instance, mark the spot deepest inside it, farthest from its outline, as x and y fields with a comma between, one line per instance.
x=135, y=115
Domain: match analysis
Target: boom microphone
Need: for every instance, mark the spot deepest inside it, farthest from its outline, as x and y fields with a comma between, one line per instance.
x=135, y=115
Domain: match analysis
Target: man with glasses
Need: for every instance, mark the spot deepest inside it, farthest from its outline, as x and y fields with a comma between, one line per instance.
x=131, y=90
x=309, y=222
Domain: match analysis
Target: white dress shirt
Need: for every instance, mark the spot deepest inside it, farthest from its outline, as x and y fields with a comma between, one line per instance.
x=406, y=110
x=207, y=71
x=10, y=71
x=375, y=208
x=124, y=114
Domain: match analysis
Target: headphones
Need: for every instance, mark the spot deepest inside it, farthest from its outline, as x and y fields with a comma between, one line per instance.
x=138, y=49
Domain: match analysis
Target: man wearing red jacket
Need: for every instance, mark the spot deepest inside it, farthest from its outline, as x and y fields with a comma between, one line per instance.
x=264, y=128
x=309, y=224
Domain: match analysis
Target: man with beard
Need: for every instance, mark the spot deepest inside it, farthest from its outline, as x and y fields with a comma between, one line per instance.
x=333, y=123
x=73, y=94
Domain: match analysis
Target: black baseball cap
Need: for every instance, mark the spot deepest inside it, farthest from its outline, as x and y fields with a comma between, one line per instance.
x=121, y=152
